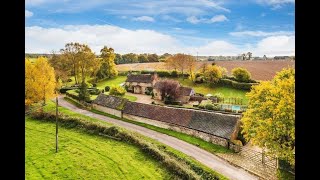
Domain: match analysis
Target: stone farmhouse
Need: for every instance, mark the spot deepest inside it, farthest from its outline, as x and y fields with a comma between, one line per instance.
x=213, y=127
x=141, y=83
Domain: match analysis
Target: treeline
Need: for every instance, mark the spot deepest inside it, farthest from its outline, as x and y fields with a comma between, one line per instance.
x=34, y=55
x=140, y=58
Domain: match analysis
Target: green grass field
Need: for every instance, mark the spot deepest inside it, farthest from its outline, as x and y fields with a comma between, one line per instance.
x=111, y=82
x=204, y=88
x=83, y=156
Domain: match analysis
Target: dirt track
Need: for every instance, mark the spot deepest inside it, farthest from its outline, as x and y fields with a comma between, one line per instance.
x=208, y=159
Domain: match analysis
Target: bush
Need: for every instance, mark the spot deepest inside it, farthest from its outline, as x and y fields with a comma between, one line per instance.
x=94, y=91
x=209, y=106
x=102, y=91
x=65, y=89
x=163, y=73
x=94, y=85
x=107, y=88
x=123, y=73
x=174, y=74
x=241, y=74
x=237, y=85
x=117, y=91
x=69, y=80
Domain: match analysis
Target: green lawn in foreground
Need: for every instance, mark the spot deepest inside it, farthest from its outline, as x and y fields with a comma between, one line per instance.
x=204, y=88
x=83, y=156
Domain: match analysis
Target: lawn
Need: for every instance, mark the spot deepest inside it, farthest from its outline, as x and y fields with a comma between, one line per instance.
x=83, y=156
x=110, y=82
x=204, y=88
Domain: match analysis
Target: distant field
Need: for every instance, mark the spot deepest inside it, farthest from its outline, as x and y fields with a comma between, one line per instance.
x=260, y=70
x=84, y=156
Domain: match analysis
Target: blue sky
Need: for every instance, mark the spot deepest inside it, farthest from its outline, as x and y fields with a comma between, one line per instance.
x=209, y=27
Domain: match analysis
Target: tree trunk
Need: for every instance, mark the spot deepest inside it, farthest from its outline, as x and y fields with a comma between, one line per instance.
x=75, y=74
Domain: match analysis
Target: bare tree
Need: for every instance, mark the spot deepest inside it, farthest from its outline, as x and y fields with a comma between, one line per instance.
x=249, y=55
x=181, y=62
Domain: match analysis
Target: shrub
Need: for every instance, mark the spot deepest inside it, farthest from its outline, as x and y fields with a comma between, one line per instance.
x=69, y=80
x=117, y=91
x=174, y=74
x=163, y=73
x=102, y=90
x=209, y=106
x=94, y=91
x=94, y=85
x=237, y=85
x=241, y=74
x=107, y=88
x=123, y=73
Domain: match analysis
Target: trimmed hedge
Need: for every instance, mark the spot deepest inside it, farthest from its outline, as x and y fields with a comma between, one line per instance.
x=75, y=96
x=65, y=89
x=107, y=88
x=235, y=84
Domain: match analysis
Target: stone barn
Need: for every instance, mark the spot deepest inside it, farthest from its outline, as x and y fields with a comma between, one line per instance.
x=141, y=83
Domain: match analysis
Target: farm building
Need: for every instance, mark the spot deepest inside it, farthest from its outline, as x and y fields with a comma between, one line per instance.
x=141, y=83
x=109, y=104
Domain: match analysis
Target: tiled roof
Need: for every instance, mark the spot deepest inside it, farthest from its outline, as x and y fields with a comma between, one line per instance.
x=166, y=114
x=222, y=125
x=140, y=78
x=113, y=102
x=185, y=91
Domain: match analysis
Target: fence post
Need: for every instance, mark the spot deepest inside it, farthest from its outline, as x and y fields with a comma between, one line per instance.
x=263, y=156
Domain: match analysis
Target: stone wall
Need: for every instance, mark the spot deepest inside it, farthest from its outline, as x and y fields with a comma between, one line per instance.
x=107, y=110
x=204, y=136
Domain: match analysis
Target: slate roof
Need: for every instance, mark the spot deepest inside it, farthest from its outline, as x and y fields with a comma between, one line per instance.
x=140, y=78
x=176, y=116
x=221, y=125
x=109, y=101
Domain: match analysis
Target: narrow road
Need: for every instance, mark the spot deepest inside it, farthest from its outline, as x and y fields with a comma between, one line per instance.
x=206, y=158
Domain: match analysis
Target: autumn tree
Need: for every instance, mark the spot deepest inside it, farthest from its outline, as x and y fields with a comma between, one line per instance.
x=153, y=58
x=40, y=81
x=86, y=59
x=61, y=68
x=108, y=66
x=212, y=74
x=191, y=66
x=168, y=88
x=70, y=53
x=269, y=121
x=180, y=62
x=241, y=74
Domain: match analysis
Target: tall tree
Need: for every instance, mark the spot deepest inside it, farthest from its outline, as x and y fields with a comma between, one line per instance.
x=70, y=52
x=153, y=58
x=108, y=67
x=86, y=60
x=142, y=58
x=191, y=66
x=249, y=55
x=241, y=74
x=269, y=120
x=40, y=81
x=61, y=67
x=180, y=61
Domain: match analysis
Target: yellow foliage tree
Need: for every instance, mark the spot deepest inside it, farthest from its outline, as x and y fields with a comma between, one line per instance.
x=269, y=120
x=40, y=81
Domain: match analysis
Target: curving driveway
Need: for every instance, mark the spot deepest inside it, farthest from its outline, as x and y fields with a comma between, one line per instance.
x=206, y=158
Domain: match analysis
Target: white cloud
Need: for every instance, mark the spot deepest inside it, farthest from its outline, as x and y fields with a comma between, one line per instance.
x=34, y=2
x=193, y=20
x=276, y=4
x=276, y=45
x=260, y=33
x=218, y=18
x=144, y=18
x=214, y=19
x=170, y=18
x=28, y=13
x=44, y=40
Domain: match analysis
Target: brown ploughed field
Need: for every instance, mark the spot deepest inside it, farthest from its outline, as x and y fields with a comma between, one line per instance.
x=260, y=70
